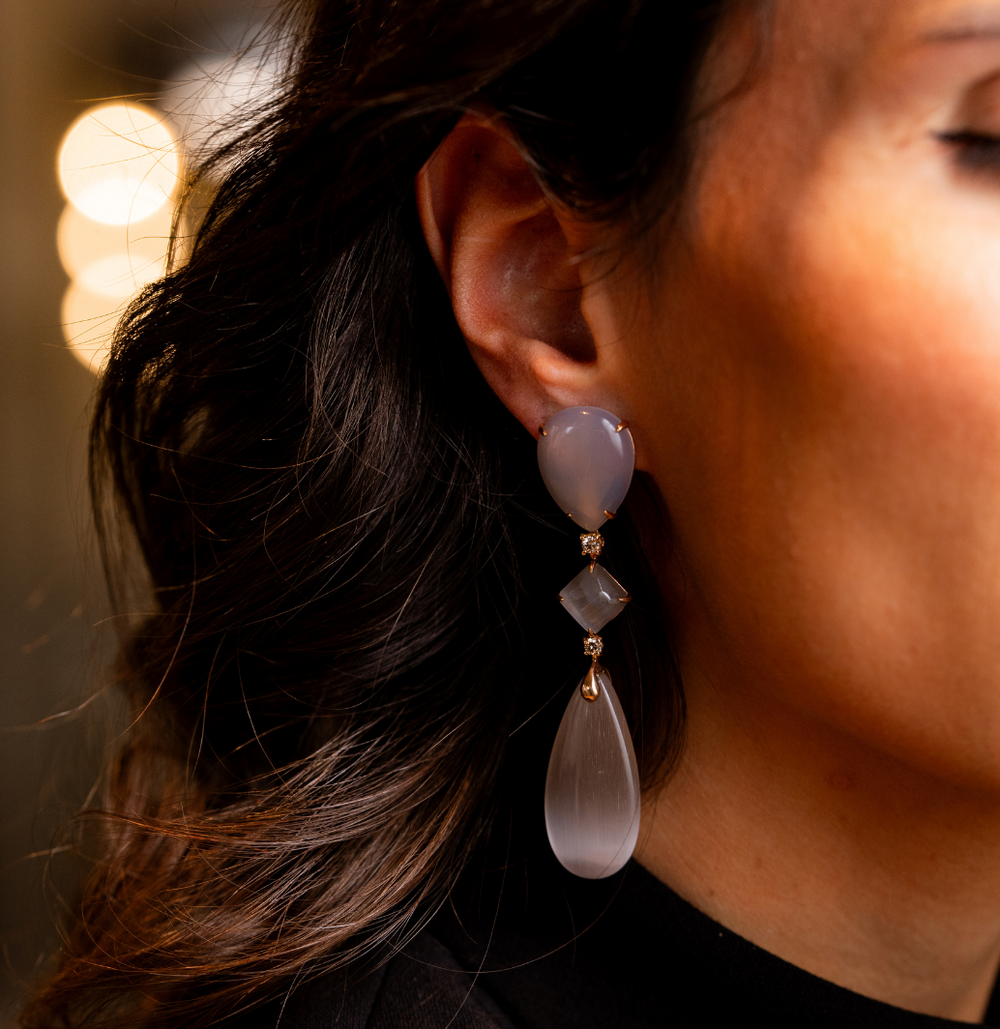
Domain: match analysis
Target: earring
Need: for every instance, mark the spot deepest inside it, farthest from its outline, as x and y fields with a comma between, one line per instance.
x=586, y=457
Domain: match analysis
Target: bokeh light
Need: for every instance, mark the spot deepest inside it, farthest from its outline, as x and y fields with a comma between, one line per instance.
x=88, y=321
x=210, y=98
x=120, y=169
x=114, y=260
x=118, y=163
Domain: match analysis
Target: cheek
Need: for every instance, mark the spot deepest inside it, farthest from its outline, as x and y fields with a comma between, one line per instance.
x=834, y=476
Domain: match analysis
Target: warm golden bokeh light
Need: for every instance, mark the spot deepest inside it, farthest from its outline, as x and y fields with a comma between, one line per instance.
x=88, y=321
x=114, y=260
x=118, y=163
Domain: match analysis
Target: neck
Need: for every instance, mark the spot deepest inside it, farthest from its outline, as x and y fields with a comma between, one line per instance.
x=828, y=853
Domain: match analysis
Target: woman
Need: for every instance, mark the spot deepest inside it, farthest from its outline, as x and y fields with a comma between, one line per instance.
x=766, y=235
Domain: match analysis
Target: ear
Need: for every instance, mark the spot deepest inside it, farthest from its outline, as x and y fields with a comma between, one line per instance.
x=510, y=259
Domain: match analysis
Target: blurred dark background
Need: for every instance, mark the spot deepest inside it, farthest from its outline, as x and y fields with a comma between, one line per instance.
x=60, y=56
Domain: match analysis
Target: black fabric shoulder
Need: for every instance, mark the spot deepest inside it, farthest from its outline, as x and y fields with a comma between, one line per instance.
x=528, y=946
x=422, y=987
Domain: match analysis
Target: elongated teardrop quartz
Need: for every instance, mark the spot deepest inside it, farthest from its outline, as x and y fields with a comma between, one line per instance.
x=592, y=786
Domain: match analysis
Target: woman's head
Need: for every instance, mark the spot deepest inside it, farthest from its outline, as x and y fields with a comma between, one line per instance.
x=809, y=364
x=761, y=232
x=350, y=554
x=806, y=352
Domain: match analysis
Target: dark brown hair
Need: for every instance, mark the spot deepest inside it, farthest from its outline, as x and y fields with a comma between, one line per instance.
x=351, y=642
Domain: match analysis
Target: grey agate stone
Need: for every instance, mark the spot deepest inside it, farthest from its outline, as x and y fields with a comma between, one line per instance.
x=586, y=463
x=593, y=597
x=592, y=786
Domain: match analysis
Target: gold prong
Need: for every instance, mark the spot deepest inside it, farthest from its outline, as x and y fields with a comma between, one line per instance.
x=625, y=599
x=541, y=431
x=623, y=424
x=611, y=514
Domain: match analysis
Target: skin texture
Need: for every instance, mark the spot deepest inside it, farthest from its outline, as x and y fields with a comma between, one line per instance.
x=811, y=371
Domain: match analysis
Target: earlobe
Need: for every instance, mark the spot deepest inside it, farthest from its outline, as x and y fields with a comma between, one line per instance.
x=501, y=246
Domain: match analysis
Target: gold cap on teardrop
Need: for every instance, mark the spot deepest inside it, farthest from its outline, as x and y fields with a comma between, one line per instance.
x=590, y=688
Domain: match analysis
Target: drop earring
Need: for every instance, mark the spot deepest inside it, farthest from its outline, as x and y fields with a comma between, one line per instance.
x=586, y=457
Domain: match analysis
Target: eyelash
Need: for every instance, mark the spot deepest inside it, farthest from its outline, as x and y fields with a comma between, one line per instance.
x=975, y=151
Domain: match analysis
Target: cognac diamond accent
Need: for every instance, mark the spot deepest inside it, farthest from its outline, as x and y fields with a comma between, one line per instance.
x=592, y=646
x=592, y=543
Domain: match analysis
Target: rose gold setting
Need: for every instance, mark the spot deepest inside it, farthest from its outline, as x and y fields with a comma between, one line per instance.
x=590, y=688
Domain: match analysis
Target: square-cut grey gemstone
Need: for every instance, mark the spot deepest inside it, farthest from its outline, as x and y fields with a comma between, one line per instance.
x=594, y=597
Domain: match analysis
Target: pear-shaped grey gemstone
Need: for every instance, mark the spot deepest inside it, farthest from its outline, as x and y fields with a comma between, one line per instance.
x=586, y=463
x=592, y=786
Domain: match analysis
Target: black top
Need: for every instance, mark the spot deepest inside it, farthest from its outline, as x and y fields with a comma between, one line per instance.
x=551, y=951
